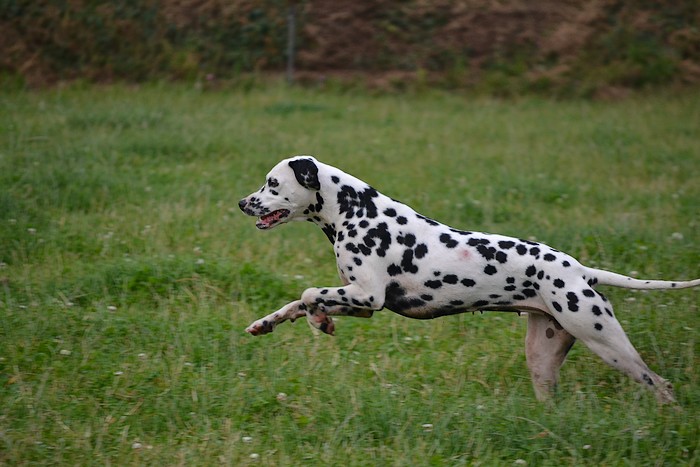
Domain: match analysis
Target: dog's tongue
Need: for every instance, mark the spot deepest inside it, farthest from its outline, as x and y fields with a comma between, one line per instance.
x=267, y=220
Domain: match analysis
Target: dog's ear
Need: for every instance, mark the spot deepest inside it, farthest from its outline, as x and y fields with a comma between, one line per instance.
x=306, y=173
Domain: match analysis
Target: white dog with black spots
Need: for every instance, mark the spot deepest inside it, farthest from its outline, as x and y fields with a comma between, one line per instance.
x=389, y=256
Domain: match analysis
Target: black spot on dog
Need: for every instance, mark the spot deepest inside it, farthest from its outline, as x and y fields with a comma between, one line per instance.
x=588, y=293
x=428, y=220
x=565, y=263
x=549, y=333
x=596, y=310
x=521, y=249
x=421, y=250
x=572, y=301
x=598, y=326
x=448, y=240
x=390, y=212
x=530, y=271
x=468, y=282
x=330, y=232
x=529, y=293
x=478, y=241
x=409, y=240
x=501, y=257
x=401, y=220
x=407, y=262
x=487, y=252
x=557, y=306
x=394, y=270
x=490, y=270
x=396, y=299
x=450, y=279
x=380, y=232
x=549, y=257
x=355, y=204
x=506, y=244
x=559, y=284
x=433, y=284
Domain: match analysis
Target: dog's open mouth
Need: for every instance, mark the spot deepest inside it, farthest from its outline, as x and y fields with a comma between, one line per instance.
x=272, y=219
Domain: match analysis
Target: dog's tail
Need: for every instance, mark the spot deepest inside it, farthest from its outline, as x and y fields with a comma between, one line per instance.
x=618, y=280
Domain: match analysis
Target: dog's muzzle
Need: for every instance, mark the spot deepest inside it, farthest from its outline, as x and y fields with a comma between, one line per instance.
x=267, y=219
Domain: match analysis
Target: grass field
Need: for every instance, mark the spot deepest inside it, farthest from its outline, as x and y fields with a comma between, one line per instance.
x=127, y=277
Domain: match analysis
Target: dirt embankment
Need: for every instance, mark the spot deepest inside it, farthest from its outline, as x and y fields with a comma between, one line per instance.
x=516, y=45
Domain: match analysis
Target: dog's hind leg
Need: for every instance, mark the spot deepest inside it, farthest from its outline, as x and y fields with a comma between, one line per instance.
x=617, y=351
x=588, y=316
x=546, y=346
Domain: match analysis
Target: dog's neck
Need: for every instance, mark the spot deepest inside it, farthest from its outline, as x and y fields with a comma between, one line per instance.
x=342, y=202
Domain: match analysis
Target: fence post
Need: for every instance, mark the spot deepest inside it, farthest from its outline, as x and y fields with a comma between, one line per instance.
x=291, y=36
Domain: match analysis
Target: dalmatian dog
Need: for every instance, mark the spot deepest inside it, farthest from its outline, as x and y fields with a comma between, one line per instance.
x=389, y=256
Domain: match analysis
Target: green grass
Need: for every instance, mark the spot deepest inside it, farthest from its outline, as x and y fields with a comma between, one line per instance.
x=128, y=275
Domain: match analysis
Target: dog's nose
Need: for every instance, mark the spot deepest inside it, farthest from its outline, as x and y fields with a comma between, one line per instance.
x=242, y=204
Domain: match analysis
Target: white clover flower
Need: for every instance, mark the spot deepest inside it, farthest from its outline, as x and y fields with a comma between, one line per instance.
x=427, y=427
x=111, y=308
x=136, y=446
x=281, y=397
x=65, y=352
x=247, y=439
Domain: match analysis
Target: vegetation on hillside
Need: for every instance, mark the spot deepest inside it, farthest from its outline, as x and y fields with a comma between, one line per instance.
x=575, y=47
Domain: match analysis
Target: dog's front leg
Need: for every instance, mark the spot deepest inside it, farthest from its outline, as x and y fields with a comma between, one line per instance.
x=266, y=324
x=350, y=300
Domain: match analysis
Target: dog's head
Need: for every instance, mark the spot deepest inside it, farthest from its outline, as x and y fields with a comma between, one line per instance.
x=289, y=189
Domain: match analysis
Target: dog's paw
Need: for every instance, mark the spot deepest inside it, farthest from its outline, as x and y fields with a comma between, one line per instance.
x=323, y=323
x=260, y=327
